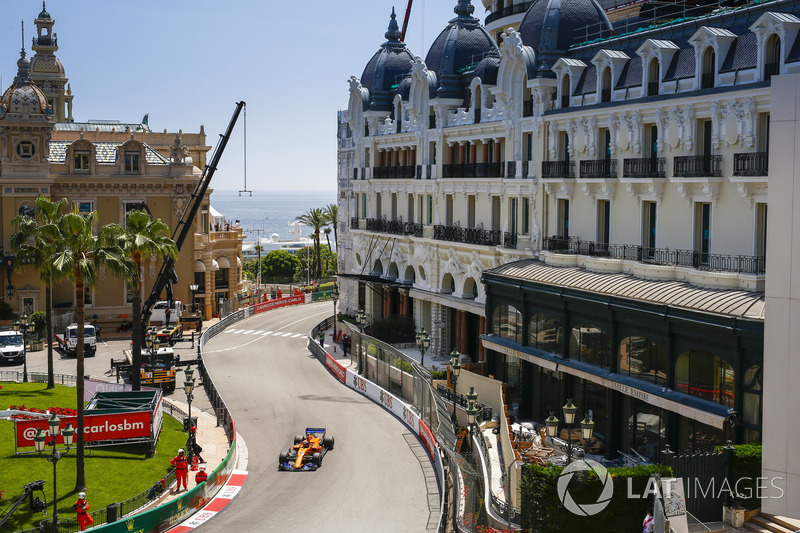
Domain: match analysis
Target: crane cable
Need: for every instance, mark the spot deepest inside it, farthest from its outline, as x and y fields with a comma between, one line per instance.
x=245, y=155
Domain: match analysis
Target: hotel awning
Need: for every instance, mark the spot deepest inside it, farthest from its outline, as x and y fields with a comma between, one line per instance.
x=223, y=262
x=677, y=402
x=199, y=266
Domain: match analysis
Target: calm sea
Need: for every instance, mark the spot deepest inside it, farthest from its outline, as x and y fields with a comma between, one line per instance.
x=270, y=211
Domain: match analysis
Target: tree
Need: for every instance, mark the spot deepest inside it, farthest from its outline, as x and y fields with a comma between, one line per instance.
x=279, y=264
x=37, y=239
x=332, y=214
x=141, y=237
x=79, y=254
x=315, y=219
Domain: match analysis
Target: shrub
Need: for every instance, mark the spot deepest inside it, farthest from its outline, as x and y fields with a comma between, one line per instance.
x=747, y=468
x=543, y=511
x=39, y=321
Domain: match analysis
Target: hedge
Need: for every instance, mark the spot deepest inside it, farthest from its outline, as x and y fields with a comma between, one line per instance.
x=543, y=512
x=747, y=468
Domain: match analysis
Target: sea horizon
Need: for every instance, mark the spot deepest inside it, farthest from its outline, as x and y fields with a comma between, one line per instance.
x=269, y=212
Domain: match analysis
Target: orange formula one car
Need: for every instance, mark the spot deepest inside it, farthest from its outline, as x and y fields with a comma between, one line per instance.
x=307, y=451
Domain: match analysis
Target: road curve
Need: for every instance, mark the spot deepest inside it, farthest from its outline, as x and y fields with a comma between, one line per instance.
x=371, y=481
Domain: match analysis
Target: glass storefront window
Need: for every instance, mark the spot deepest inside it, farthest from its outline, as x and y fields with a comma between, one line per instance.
x=589, y=344
x=507, y=323
x=642, y=358
x=698, y=437
x=545, y=332
x=646, y=428
x=706, y=376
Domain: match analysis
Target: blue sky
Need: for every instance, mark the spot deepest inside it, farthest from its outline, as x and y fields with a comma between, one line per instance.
x=187, y=63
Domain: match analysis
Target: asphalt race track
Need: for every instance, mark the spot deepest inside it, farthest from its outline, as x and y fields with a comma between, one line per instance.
x=371, y=481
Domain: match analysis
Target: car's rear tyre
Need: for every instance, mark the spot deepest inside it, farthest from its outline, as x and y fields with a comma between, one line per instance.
x=298, y=439
x=327, y=441
x=282, y=458
x=317, y=459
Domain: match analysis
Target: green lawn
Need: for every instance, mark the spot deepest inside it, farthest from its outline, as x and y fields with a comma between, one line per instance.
x=113, y=474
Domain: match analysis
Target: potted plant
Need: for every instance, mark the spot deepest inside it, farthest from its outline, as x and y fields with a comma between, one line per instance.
x=39, y=321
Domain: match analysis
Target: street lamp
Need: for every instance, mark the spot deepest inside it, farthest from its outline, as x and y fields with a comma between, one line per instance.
x=455, y=369
x=587, y=427
x=188, y=387
x=335, y=298
x=361, y=320
x=22, y=326
x=152, y=342
x=423, y=343
x=40, y=441
x=194, y=288
x=472, y=408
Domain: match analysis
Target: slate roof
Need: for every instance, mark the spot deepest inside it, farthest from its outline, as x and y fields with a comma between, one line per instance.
x=461, y=45
x=567, y=17
x=106, y=153
x=487, y=70
x=631, y=75
x=105, y=126
x=734, y=303
x=742, y=53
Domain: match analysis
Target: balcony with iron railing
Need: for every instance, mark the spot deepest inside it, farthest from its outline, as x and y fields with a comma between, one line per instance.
x=751, y=164
x=643, y=167
x=564, y=101
x=527, y=108
x=394, y=227
x=652, y=88
x=742, y=264
x=353, y=222
x=558, y=169
x=481, y=237
x=697, y=166
x=598, y=168
x=394, y=172
x=707, y=80
x=510, y=240
x=473, y=170
x=45, y=41
x=771, y=69
x=605, y=95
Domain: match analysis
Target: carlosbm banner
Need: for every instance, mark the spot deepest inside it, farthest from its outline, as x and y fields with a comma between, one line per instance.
x=280, y=302
x=115, y=426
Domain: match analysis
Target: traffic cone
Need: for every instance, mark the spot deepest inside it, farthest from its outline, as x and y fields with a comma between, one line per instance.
x=195, y=463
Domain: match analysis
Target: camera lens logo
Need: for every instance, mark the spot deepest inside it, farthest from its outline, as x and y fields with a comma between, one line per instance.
x=586, y=509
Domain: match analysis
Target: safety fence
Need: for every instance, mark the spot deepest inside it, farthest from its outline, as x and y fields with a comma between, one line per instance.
x=387, y=376
x=166, y=515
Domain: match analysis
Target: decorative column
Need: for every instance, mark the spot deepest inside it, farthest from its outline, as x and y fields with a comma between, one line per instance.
x=482, y=331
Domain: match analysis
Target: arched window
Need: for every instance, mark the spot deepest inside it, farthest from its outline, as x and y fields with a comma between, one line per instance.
x=709, y=68
x=546, y=332
x=772, y=61
x=590, y=344
x=706, y=376
x=642, y=358
x=565, y=91
x=605, y=91
x=476, y=103
x=507, y=322
x=653, y=77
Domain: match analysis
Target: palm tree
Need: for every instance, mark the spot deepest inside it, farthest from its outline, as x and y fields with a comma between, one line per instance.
x=141, y=237
x=76, y=260
x=332, y=213
x=37, y=239
x=315, y=218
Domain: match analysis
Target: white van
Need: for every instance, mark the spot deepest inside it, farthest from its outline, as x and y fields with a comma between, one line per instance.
x=11, y=347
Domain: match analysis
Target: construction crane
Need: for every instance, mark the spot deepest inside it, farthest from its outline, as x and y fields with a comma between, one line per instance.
x=166, y=276
x=405, y=21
